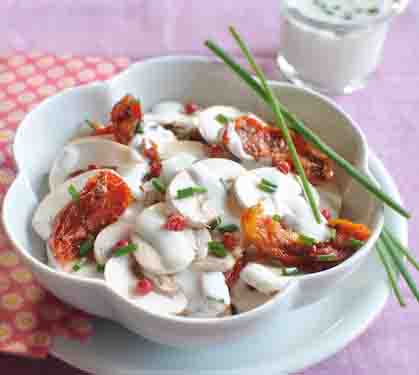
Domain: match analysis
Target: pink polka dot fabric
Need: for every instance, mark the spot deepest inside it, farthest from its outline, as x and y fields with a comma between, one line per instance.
x=30, y=316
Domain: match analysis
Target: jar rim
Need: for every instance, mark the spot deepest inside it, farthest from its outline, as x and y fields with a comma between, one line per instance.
x=344, y=27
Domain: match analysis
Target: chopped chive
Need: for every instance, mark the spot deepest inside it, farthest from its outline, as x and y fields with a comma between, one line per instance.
x=269, y=183
x=277, y=218
x=158, y=185
x=266, y=188
x=139, y=129
x=215, y=223
x=332, y=234
x=91, y=124
x=217, y=248
x=100, y=268
x=219, y=300
x=223, y=120
x=86, y=246
x=79, y=264
x=189, y=192
x=75, y=195
x=306, y=240
x=373, y=10
x=291, y=272
x=124, y=250
x=228, y=228
x=327, y=258
x=356, y=244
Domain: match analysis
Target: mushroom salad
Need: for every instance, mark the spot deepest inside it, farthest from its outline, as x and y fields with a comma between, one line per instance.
x=191, y=211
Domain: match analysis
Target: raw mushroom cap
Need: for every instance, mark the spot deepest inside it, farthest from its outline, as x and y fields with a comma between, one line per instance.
x=121, y=278
x=265, y=279
x=81, y=153
x=200, y=209
x=209, y=126
x=193, y=148
x=56, y=200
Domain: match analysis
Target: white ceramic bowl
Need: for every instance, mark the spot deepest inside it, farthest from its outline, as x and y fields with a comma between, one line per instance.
x=49, y=126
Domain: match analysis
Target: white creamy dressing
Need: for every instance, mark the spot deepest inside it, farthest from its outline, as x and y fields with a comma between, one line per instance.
x=329, y=57
x=182, y=256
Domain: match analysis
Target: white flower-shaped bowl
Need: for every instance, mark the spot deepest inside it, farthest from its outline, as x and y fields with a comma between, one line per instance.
x=49, y=126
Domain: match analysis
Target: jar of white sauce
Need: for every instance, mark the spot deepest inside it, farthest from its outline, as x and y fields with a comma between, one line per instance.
x=333, y=45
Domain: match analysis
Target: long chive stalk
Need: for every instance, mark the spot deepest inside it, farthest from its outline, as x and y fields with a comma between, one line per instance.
x=385, y=259
x=399, y=263
x=403, y=250
x=308, y=134
x=280, y=122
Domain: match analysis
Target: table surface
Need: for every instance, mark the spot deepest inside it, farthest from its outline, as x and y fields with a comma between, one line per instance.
x=386, y=110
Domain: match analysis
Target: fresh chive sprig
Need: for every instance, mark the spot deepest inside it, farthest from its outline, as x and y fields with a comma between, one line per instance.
x=280, y=123
x=307, y=133
x=189, y=192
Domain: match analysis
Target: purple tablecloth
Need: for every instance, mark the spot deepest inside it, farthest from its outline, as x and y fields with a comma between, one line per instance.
x=388, y=111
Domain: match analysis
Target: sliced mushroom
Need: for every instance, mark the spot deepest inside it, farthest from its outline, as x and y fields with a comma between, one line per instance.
x=265, y=279
x=81, y=153
x=212, y=119
x=207, y=293
x=245, y=298
x=56, y=200
x=171, y=113
x=109, y=237
x=214, y=264
x=172, y=166
x=164, y=284
x=201, y=208
x=120, y=277
x=162, y=251
x=152, y=131
x=193, y=148
x=249, y=192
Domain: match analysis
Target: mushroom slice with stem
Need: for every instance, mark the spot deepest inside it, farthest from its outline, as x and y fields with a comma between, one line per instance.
x=214, y=264
x=120, y=276
x=200, y=192
x=212, y=119
x=207, y=293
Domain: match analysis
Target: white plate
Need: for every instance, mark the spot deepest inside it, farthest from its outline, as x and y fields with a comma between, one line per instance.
x=294, y=341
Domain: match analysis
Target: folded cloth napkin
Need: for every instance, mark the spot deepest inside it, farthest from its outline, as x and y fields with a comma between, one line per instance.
x=30, y=316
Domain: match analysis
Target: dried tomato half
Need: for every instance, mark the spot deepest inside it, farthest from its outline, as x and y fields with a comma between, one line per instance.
x=101, y=202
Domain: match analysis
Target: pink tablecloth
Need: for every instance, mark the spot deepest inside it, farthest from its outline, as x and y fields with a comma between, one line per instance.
x=387, y=110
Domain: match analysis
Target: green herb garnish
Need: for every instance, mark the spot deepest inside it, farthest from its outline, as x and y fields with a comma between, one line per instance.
x=79, y=264
x=158, y=185
x=100, y=268
x=373, y=10
x=217, y=248
x=306, y=240
x=228, y=228
x=223, y=120
x=75, y=195
x=189, y=192
x=139, y=129
x=327, y=258
x=277, y=218
x=219, y=300
x=267, y=186
x=86, y=246
x=332, y=234
x=125, y=250
x=356, y=244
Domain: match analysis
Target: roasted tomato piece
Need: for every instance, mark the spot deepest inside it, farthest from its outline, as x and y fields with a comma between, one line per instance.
x=101, y=202
x=266, y=142
x=125, y=116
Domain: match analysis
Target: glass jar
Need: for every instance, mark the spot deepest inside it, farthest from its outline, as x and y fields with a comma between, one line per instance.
x=333, y=46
